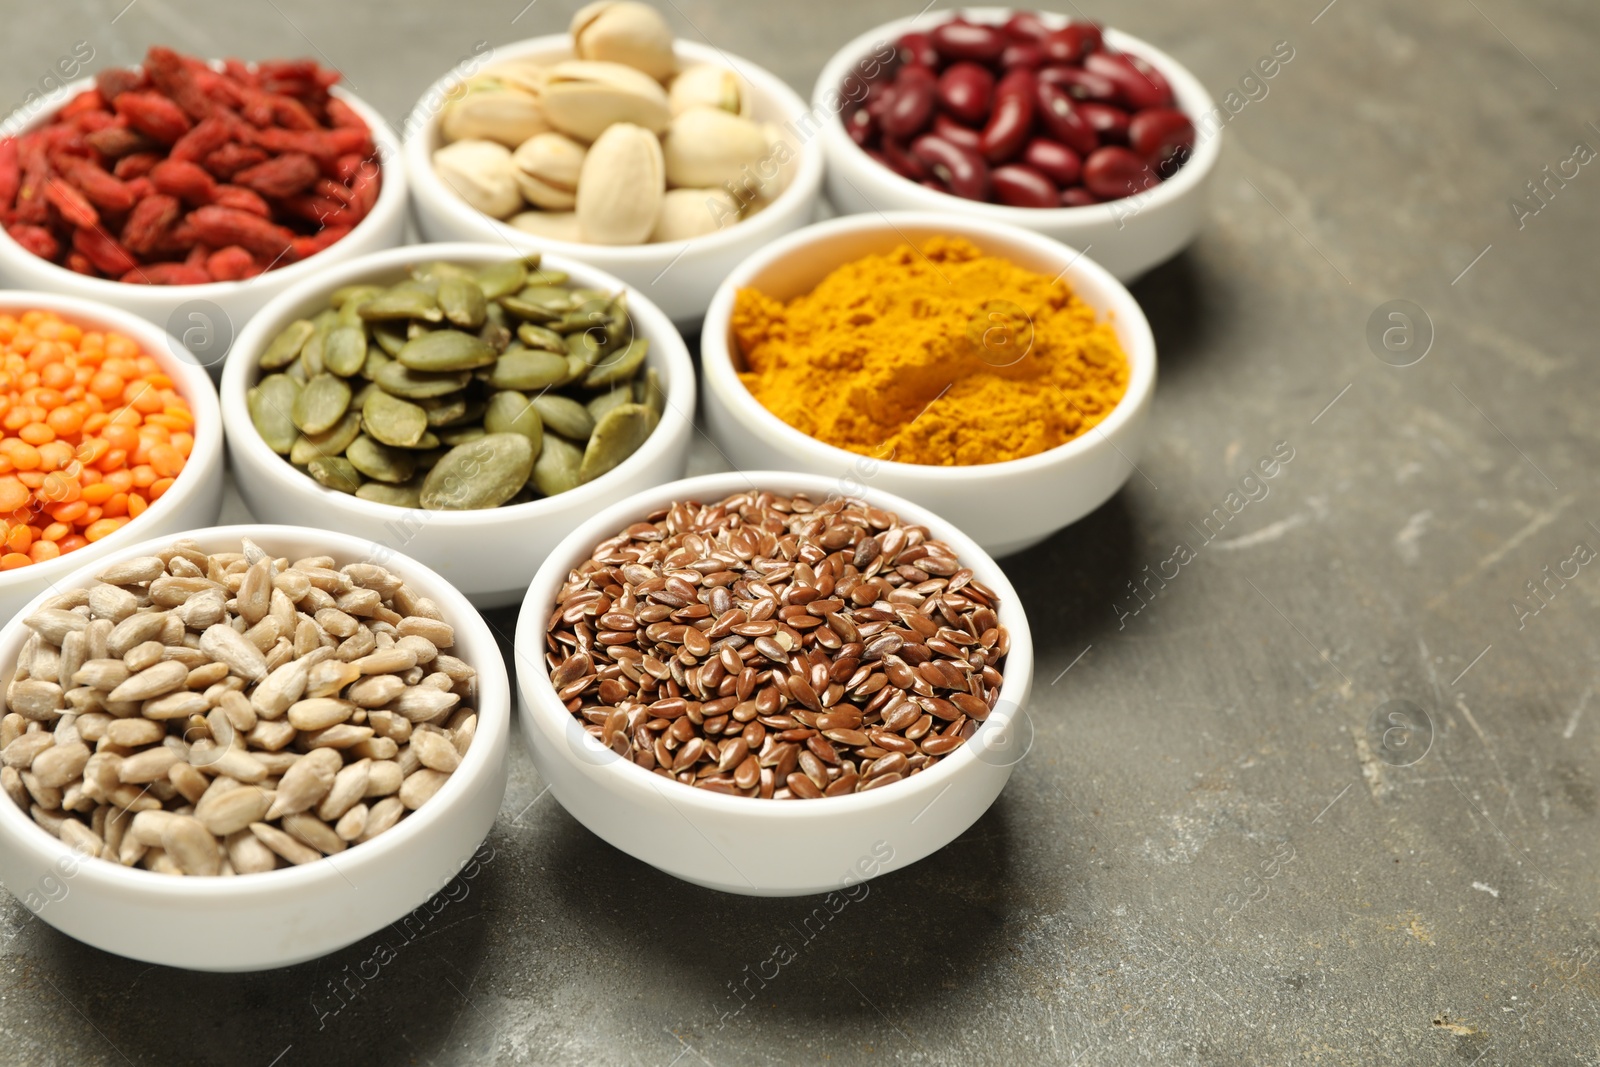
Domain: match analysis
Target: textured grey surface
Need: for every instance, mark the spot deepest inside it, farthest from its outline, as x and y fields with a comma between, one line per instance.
x=1205, y=859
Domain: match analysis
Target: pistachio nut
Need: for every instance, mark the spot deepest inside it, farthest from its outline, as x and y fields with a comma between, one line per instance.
x=621, y=186
x=556, y=225
x=493, y=110
x=709, y=85
x=547, y=170
x=526, y=73
x=706, y=146
x=584, y=97
x=482, y=174
x=622, y=31
x=687, y=213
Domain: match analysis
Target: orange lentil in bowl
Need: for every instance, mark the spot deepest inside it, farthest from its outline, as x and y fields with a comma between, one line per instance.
x=92, y=431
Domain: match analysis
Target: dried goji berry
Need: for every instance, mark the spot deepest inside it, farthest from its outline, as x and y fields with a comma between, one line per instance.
x=31, y=205
x=223, y=226
x=207, y=136
x=114, y=81
x=73, y=205
x=238, y=196
x=241, y=72
x=88, y=100
x=318, y=209
x=103, y=251
x=364, y=189
x=10, y=173
x=141, y=187
x=186, y=181
x=167, y=274
x=232, y=264
x=181, y=237
x=305, y=247
x=87, y=122
x=148, y=223
x=169, y=73
x=36, y=239
x=153, y=114
x=117, y=142
x=343, y=115
x=136, y=165
x=230, y=159
x=198, y=255
x=80, y=264
x=281, y=176
x=98, y=187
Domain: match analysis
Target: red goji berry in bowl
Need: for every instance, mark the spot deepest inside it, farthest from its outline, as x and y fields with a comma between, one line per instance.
x=190, y=193
x=1095, y=138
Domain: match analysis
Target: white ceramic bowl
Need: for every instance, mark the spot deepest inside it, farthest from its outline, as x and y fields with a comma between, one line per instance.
x=276, y=918
x=1127, y=237
x=489, y=555
x=195, y=498
x=678, y=275
x=751, y=846
x=207, y=317
x=1005, y=507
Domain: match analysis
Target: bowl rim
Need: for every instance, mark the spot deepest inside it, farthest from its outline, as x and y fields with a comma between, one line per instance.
x=717, y=348
x=393, y=198
x=1192, y=98
x=190, y=378
x=539, y=706
x=240, y=372
x=494, y=693
x=802, y=189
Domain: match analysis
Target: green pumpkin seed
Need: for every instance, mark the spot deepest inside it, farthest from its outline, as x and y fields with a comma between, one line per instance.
x=321, y=403
x=496, y=329
x=511, y=412
x=444, y=410
x=399, y=496
x=428, y=440
x=426, y=460
x=329, y=443
x=436, y=272
x=524, y=369
x=284, y=349
x=446, y=350
x=345, y=351
x=590, y=345
x=502, y=279
x=311, y=351
x=536, y=336
x=392, y=421
x=615, y=438
x=392, y=465
x=408, y=300
x=460, y=435
x=271, y=404
x=619, y=366
x=564, y=416
x=556, y=469
x=481, y=474
x=551, y=278
x=527, y=310
x=463, y=302
x=620, y=328
x=336, y=472
x=375, y=361
x=622, y=394
x=401, y=380
x=347, y=296
x=650, y=392
x=390, y=338
x=297, y=371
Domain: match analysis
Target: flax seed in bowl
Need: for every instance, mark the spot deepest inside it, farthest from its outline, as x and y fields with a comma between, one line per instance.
x=225, y=796
x=846, y=743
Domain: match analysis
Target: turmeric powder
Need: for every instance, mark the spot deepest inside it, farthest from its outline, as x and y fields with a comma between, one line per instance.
x=940, y=355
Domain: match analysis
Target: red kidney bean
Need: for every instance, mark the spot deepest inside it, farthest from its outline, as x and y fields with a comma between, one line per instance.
x=1020, y=185
x=1161, y=135
x=1078, y=196
x=902, y=162
x=916, y=49
x=861, y=126
x=1058, y=162
x=1114, y=172
x=1009, y=123
x=1081, y=84
x=1025, y=26
x=1071, y=43
x=1138, y=83
x=966, y=91
x=911, y=103
x=962, y=170
x=952, y=131
x=1021, y=54
x=1110, y=123
x=959, y=39
x=1058, y=113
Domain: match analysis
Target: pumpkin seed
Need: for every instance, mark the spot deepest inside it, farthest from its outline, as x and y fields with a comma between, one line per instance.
x=650, y=392
x=428, y=440
x=446, y=350
x=389, y=337
x=461, y=435
x=535, y=336
x=271, y=403
x=335, y=472
x=401, y=380
x=345, y=351
x=590, y=344
x=481, y=474
x=284, y=349
x=564, y=416
x=502, y=279
x=523, y=368
x=615, y=438
x=399, y=496
x=331, y=442
x=435, y=272
x=444, y=410
x=603, y=403
x=322, y=403
x=619, y=366
x=375, y=460
x=311, y=351
x=556, y=469
x=351, y=296
x=542, y=276
x=511, y=412
x=376, y=360
x=463, y=302
x=392, y=421
x=408, y=300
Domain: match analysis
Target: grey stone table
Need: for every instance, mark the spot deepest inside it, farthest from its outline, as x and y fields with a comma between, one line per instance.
x=1221, y=848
